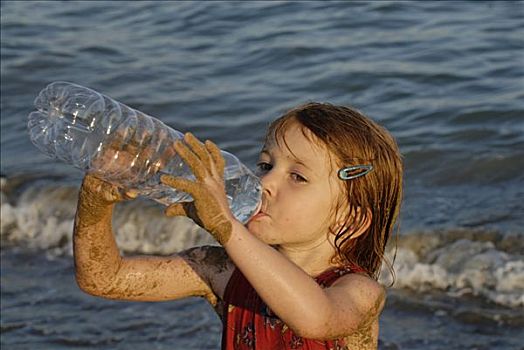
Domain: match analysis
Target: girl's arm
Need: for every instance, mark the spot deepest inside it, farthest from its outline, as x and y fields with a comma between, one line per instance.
x=350, y=305
x=101, y=271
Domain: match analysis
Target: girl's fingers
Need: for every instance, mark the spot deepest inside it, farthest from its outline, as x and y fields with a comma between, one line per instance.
x=188, y=208
x=198, y=148
x=110, y=195
x=183, y=209
x=219, y=161
x=182, y=184
x=176, y=209
x=191, y=160
x=130, y=194
x=117, y=194
x=104, y=190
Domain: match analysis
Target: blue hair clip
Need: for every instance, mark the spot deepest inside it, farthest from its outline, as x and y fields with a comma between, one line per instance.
x=354, y=171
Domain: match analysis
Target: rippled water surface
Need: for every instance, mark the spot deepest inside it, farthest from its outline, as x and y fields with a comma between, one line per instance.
x=446, y=78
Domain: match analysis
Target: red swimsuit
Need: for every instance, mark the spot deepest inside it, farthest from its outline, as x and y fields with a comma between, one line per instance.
x=249, y=324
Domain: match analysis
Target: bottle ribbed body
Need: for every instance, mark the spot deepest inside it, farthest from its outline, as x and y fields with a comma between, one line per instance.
x=124, y=146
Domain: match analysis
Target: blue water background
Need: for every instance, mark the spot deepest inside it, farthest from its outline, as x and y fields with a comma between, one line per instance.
x=445, y=77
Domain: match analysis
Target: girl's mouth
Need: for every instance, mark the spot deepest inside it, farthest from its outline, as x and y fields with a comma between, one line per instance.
x=259, y=214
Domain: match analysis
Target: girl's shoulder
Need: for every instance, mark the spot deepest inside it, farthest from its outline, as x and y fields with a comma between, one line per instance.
x=365, y=297
x=367, y=293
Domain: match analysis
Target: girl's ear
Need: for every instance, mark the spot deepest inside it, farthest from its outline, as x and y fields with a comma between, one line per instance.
x=357, y=223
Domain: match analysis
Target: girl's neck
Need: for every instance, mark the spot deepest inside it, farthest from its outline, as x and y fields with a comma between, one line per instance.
x=313, y=260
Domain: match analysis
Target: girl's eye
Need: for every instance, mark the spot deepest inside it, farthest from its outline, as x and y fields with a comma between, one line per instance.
x=263, y=167
x=298, y=178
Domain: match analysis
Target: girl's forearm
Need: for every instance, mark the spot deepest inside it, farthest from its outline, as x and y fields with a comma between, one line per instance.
x=289, y=291
x=96, y=254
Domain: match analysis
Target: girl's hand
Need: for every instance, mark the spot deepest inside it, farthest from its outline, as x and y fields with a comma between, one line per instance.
x=101, y=191
x=96, y=199
x=210, y=208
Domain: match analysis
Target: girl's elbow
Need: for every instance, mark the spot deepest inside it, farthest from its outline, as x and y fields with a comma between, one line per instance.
x=92, y=287
x=86, y=286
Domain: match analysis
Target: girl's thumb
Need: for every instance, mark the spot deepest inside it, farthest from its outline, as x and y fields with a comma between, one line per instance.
x=177, y=209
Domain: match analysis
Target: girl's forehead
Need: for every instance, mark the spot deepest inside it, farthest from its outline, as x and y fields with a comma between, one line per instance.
x=293, y=136
x=298, y=142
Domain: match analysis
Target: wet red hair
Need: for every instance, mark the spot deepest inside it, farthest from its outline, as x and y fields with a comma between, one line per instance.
x=354, y=139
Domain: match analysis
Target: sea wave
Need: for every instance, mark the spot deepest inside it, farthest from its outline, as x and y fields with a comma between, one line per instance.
x=41, y=216
x=461, y=262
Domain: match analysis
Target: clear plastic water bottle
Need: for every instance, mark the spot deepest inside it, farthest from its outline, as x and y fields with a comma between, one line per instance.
x=125, y=147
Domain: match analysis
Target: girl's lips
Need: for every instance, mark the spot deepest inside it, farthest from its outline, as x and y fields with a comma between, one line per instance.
x=258, y=215
x=259, y=212
x=258, y=209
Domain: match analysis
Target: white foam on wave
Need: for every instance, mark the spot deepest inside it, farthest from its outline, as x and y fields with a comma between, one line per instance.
x=142, y=227
x=39, y=220
x=461, y=267
x=43, y=218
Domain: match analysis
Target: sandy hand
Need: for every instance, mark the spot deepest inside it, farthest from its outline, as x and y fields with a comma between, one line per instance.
x=210, y=208
x=96, y=198
x=97, y=190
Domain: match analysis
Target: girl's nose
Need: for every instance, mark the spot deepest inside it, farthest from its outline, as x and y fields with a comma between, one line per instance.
x=268, y=182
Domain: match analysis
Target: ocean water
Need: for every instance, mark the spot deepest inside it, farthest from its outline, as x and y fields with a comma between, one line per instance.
x=446, y=78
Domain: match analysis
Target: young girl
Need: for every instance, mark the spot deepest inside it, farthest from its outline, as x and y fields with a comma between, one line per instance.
x=302, y=273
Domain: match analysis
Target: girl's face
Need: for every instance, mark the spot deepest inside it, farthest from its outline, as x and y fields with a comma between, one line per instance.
x=300, y=189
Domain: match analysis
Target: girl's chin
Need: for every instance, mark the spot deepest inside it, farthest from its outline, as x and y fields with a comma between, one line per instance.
x=255, y=228
x=252, y=226
x=256, y=220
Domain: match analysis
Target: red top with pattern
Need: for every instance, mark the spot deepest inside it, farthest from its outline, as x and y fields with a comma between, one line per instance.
x=249, y=324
